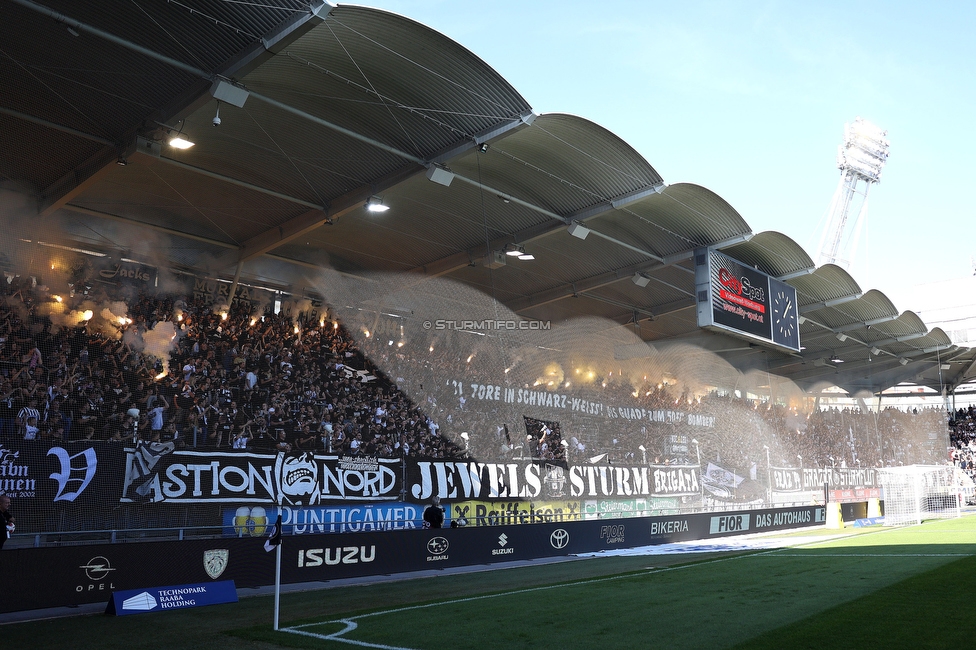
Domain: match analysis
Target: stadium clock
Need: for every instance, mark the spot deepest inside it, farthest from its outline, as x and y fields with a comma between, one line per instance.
x=784, y=317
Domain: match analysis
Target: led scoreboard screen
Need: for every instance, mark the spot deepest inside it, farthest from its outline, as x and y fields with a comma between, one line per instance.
x=738, y=299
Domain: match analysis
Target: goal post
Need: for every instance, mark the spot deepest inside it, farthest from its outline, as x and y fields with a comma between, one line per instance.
x=915, y=493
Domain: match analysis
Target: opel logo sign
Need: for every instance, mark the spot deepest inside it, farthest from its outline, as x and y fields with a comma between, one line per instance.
x=437, y=545
x=97, y=568
x=559, y=538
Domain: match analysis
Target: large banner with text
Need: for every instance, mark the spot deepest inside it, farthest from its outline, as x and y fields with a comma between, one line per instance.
x=156, y=473
x=472, y=480
x=47, y=482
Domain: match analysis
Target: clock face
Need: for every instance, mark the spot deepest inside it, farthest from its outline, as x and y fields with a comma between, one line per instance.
x=783, y=308
x=785, y=321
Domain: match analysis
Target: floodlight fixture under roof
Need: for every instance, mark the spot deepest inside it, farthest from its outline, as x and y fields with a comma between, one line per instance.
x=179, y=142
x=515, y=250
x=375, y=204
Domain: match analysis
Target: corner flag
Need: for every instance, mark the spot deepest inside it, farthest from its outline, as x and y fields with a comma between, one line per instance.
x=274, y=538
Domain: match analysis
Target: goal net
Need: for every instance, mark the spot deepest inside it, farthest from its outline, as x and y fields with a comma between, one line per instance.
x=915, y=493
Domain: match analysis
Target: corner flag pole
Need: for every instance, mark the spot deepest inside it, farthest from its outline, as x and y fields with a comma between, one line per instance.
x=277, y=579
x=274, y=541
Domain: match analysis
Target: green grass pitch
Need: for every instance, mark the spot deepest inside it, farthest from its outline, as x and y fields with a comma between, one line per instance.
x=874, y=588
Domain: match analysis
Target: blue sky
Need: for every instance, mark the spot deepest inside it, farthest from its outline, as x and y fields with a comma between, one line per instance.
x=749, y=99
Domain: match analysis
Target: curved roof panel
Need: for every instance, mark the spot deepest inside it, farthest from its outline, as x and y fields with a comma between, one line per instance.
x=908, y=324
x=872, y=305
x=829, y=282
x=680, y=218
x=772, y=252
x=564, y=163
x=880, y=304
x=389, y=78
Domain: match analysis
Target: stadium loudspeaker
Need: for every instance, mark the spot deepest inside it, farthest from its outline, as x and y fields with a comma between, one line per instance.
x=228, y=93
x=439, y=175
x=577, y=229
x=495, y=260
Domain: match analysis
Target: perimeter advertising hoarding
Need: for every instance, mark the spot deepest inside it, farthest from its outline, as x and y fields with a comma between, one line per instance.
x=157, y=599
x=256, y=520
x=735, y=298
x=615, y=508
x=36, y=578
x=504, y=513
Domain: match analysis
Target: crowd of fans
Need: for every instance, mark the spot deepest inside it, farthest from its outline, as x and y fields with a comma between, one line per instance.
x=235, y=381
x=298, y=381
x=962, y=436
x=718, y=427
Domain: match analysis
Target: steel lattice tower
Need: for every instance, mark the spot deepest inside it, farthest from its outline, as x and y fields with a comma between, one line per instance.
x=860, y=158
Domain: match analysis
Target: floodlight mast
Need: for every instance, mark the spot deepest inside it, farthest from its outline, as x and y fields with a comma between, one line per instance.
x=860, y=158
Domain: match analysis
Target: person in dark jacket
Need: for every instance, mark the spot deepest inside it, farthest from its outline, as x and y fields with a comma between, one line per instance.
x=8, y=519
x=434, y=514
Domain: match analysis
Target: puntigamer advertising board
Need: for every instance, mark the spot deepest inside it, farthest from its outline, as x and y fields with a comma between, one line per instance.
x=736, y=298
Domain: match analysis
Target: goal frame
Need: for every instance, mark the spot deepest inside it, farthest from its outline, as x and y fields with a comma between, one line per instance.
x=915, y=493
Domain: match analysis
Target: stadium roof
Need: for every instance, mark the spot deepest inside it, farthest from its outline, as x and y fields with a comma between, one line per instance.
x=323, y=107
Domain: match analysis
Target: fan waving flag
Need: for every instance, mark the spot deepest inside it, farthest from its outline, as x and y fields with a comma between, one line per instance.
x=274, y=538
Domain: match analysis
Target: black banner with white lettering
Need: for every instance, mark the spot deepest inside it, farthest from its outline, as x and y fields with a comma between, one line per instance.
x=495, y=391
x=124, y=273
x=471, y=480
x=47, y=482
x=156, y=473
x=792, y=479
x=786, y=479
x=839, y=478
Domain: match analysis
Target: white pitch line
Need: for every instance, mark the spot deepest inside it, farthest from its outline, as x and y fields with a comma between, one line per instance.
x=337, y=636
